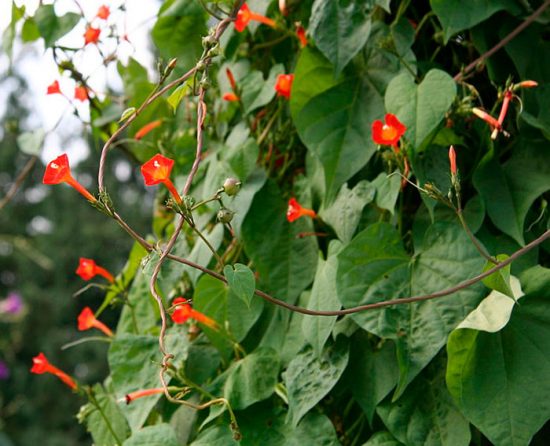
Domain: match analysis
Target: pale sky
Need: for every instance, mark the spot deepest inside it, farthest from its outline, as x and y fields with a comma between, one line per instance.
x=38, y=68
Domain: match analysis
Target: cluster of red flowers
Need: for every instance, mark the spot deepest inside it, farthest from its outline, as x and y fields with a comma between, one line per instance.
x=91, y=35
x=80, y=91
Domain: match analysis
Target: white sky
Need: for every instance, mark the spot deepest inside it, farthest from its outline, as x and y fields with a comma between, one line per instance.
x=39, y=70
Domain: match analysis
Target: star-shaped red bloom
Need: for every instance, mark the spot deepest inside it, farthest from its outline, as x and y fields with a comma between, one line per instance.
x=91, y=35
x=103, y=12
x=230, y=97
x=53, y=88
x=81, y=93
x=157, y=170
x=184, y=311
x=245, y=16
x=87, y=268
x=42, y=365
x=295, y=211
x=58, y=171
x=87, y=320
x=388, y=133
x=283, y=86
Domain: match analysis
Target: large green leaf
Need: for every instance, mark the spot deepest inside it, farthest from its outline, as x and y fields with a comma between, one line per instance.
x=106, y=425
x=317, y=329
x=51, y=26
x=426, y=414
x=340, y=29
x=508, y=191
x=382, y=439
x=257, y=92
x=158, y=435
x=457, y=16
x=252, y=379
x=420, y=107
x=335, y=126
x=500, y=380
x=240, y=279
x=286, y=264
x=178, y=30
x=309, y=378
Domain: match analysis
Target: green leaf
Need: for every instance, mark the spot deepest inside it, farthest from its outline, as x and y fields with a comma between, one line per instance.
x=309, y=378
x=127, y=113
x=30, y=32
x=335, y=127
x=286, y=264
x=317, y=329
x=107, y=426
x=252, y=379
x=158, y=435
x=509, y=191
x=500, y=380
x=255, y=91
x=425, y=413
x=177, y=95
x=178, y=30
x=8, y=36
x=420, y=107
x=340, y=29
x=134, y=363
x=216, y=436
x=499, y=280
x=373, y=370
x=387, y=190
x=345, y=212
x=240, y=279
x=458, y=16
x=31, y=142
x=382, y=439
x=52, y=27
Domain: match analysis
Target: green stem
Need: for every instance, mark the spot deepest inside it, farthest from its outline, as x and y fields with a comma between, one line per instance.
x=473, y=238
x=96, y=404
x=205, y=240
x=84, y=340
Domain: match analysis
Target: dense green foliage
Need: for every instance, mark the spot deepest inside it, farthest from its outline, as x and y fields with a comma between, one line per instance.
x=469, y=367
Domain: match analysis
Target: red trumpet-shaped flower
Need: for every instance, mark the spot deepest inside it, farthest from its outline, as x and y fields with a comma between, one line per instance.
x=81, y=93
x=388, y=133
x=157, y=170
x=301, y=34
x=486, y=117
x=283, y=86
x=103, y=12
x=59, y=171
x=231, y=79
x=53, y=88
x=87, y=320
x=91, y=35
x=87, y=268
x=295, y=211
x=452, y=160
x=230, y=97
x=147, y=128
x=42, y=365
x=527, y=84
x=184, y=311
x=141, y=393
x=245, y=16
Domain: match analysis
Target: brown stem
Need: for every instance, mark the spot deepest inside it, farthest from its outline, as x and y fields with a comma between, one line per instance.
x=18, y=181
x=503, y=42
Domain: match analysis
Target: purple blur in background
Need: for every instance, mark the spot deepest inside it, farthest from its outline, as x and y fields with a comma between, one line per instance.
x=13, y=304
x=4, y=371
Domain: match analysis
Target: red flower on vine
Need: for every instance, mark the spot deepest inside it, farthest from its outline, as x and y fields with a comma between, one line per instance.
x=58, y=171
x=103, y=12
x=295, y=211
x=53, y=88
x=141, y=393
x=283, y=86
x=184, y=311
x=301, y=34
x=147, y=128
x=87, y=268
x=41, y=365
x=91, y=35
x=245, y=16
x=87, y=320
x=388, y=133
x=81, y=93
x=452, y=160
x=157, y=170
x=231, y=97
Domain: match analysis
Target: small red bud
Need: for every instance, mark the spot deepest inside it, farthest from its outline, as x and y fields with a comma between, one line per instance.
x=452, y=160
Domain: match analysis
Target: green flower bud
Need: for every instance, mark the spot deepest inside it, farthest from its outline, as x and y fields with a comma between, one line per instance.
x=231, y=186
x=225, y=215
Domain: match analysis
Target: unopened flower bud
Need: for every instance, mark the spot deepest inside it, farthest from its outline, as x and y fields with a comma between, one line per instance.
x=208, y=41
x=231, y=186
x=225, y=215
x=170, y=67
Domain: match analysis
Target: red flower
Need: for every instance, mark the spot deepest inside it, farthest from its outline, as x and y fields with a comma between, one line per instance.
x=53, y=88
x=301, y=34
x=87, y=268
x=452, y=160
x=157, y=170
x=284, y=85
x=103, y=12
x=58, y=171
x=184, y=311
x=231, y=97
x=91, y=35
x=41, y=365
x=295, y=211
x=527, y=84
x=486, y=117
x=147, y=128
x=87, y=320
x=245, y=15
x=231, y=79
x=81, y=93
x=388, y=133
x=141, y=393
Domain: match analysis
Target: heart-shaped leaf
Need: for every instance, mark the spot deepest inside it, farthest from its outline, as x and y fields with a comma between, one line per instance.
x=240, y=279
